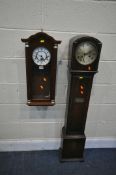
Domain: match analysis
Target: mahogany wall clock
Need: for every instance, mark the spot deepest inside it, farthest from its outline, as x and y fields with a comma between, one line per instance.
x=84, y=53
x=41, y=63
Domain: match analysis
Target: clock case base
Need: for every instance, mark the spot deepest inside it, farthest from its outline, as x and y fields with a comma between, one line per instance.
x=72, y=147
x=41, y=103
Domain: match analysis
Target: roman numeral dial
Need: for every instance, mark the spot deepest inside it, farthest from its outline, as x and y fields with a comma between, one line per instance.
x=41, y=56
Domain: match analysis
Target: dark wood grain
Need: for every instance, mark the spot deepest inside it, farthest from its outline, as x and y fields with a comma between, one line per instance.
x=79, y=90
x=40, y=92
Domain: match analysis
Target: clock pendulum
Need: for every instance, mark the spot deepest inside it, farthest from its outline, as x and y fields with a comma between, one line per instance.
x=84, y=54
x=41, y=63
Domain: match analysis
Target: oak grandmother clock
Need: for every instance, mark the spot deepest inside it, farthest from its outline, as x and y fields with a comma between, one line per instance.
x=41, y=63
x=84, y=53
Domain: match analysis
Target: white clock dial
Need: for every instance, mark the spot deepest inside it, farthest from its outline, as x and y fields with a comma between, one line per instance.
x=41, y=56
x=86, y=53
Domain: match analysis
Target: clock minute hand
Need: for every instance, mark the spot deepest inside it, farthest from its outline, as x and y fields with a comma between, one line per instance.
x=87, y=53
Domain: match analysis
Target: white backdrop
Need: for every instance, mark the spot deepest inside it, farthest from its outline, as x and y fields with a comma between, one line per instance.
x=63, y=19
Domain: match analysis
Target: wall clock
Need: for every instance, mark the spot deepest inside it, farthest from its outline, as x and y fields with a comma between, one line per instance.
x=84, y=53
x=41, y=63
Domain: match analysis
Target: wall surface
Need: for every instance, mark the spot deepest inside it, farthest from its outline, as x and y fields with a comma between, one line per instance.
x=62, y=19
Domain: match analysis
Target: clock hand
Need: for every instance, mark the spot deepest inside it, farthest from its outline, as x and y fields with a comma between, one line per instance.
x=47, y=57
x=42, y=59
x=88, y=53
x=83, y=59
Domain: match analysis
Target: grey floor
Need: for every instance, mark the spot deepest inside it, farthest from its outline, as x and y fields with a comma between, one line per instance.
x=97, y=162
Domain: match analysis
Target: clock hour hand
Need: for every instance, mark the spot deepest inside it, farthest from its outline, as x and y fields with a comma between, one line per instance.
x=88, y=53
x=42, y=58
x=46, y=56
x=83, y=58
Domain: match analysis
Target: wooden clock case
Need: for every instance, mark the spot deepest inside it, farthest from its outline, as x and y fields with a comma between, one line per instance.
x=79, y=90
x=41, y=79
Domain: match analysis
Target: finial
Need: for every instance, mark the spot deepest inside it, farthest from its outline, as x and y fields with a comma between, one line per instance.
x=41, y=30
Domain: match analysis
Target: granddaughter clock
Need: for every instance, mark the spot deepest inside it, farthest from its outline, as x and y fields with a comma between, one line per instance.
x=84, y=53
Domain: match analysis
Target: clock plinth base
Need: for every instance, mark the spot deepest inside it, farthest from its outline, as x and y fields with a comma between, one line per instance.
x=72, y=147
x=41, y=103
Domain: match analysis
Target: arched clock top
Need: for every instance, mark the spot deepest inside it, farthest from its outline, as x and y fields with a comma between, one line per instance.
x=84, y=37
x=41, y=37
x=84, y=53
